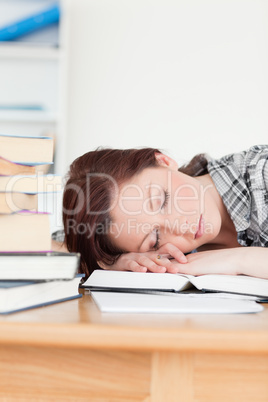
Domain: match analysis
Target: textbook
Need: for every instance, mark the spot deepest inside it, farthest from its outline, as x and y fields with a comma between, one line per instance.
x=16, y=296
x=116, y=302
x=26, y=150
x=13, y=202
x=31, y=184
x=25, y=231
x=9, y=168
x=38, y=266
x=147, y=281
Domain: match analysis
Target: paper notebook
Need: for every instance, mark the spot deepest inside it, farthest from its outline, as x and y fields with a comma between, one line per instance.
x=118, y=302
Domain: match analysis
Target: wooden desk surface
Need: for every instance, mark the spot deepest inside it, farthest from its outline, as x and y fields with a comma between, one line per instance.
x=80, y=324
x=72, y=352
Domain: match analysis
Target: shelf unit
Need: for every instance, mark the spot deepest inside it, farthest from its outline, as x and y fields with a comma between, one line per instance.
x=29, y=51
x=31, y=74
x=27, y=116
x=33, y=78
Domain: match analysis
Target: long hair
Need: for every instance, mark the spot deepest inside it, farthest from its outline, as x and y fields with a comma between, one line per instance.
x=89, y=192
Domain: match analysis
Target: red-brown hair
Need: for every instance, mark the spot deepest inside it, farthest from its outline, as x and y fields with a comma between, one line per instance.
x=88, y=195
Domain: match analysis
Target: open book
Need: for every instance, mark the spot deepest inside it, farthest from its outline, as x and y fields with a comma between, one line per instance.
x=146, y=281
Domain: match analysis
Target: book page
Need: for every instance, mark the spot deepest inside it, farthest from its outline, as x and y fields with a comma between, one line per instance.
x=232, y=283
x=137, y=280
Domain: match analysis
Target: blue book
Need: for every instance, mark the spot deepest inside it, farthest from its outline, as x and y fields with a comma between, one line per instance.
x=32, y=23
x=23, y=107
x=17, y=296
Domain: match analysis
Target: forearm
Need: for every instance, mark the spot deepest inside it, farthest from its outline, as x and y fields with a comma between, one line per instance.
x=254, y=261
x=250, y=261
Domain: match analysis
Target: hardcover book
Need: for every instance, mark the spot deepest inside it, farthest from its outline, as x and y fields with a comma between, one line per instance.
x=38, y=266
x=26, y=150
x=31, y=184
x=14, y=202
x=25, y=231
x=20, y=295
x=9, y=168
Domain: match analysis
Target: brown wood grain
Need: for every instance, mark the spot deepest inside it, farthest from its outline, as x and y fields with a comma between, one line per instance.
x=72, y=352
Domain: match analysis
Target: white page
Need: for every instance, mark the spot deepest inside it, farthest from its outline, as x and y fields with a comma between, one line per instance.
x=116, y=302
x=137, y=280
x=232, y=283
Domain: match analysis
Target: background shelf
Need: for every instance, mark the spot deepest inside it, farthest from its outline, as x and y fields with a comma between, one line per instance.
x=19, y=50
x=27, y=116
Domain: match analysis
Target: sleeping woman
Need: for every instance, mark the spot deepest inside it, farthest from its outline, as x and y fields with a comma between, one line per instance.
x=136, y=210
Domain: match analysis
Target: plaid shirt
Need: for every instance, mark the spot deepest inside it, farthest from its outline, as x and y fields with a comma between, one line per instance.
x=58, y=236
x=242, y=182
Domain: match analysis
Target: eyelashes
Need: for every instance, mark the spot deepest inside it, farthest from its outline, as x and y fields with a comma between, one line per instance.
x=156, y=245
x=166, y=198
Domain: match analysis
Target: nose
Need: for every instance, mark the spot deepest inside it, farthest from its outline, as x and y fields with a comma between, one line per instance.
x=171, y=230
x=179, y=226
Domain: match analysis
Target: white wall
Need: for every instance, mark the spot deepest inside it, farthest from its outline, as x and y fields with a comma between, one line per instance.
x=186, y=76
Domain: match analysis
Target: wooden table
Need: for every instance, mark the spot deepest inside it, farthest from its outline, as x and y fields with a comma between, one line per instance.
x=72, y=352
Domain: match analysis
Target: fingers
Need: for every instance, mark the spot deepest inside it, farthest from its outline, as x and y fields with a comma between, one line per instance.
x=172, y=266
x=138, y=262
x=135, y=267
x=174, y=252
x=160, y=262
x=151, y=263
x=176, y=268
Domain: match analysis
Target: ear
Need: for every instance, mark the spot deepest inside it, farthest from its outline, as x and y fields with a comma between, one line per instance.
x=166, y=161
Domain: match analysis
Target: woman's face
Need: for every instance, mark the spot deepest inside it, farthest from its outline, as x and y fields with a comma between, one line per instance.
x=161, y=205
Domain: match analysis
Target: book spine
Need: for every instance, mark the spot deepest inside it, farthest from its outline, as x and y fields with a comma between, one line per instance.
x=30, y=24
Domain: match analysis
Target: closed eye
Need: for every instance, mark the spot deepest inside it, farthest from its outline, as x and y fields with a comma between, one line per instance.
x=166, y=198
x=156, y=245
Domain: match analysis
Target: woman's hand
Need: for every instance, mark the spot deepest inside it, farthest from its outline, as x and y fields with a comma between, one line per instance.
x=150, y=261
x=250, y=261
x=223, y=261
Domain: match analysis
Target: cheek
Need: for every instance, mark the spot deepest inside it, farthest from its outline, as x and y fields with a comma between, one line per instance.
x=128, y=234
x=186, y=200
x=184, y=244
x=129, y=207
x=212, y=226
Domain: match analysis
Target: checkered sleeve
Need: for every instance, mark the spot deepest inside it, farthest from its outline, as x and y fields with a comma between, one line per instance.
x=242, y=182
x=58, y=236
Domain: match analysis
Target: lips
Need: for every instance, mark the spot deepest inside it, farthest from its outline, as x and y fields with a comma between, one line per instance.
x=200, y=229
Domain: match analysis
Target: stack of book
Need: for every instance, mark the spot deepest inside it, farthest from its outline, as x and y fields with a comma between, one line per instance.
x=30, y=273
